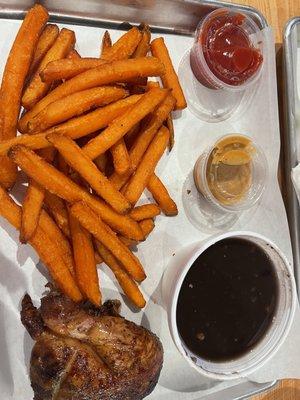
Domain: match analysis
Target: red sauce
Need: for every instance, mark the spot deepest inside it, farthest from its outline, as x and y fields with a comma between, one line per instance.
x=228, y=50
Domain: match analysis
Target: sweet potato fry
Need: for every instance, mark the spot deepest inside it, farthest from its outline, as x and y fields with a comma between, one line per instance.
x=75, y=128
x=56, y=182
x=33, y=142
x=68, y=68
x=8, y=172
x=95, y=120
x=85, y=264
x=74, y=105
x=73, y=55
x=64, y=167
x=59, y=212
x=33, y=202
x=101, y=162
x=121, y=125
x=44, y=246
x=159, y=116
x=161, y=196
x=128, y=285
x=145, y=211
x=141, y=51
x=60, y=49
x=13, y=80
x=144, y=139
x=93, y=223
x=147, y=226
x=31, y=210
x=144, y=44
x=47, y=250
x=117, y=71
x=57, y=237
x=169, y=78
x=77, y=160
x=106, y=44
x=146, y=168
x=46, y=40
x=120, y=157
x=170, y=126
x=124, y=47
x=121, y=223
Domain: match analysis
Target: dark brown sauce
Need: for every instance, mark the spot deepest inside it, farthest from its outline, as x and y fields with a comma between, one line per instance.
x=227, y=300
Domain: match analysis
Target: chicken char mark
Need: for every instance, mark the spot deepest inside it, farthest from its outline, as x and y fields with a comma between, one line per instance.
x=87, y=353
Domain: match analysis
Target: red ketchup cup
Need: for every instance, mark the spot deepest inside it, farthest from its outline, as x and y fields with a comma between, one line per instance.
x=228, y=51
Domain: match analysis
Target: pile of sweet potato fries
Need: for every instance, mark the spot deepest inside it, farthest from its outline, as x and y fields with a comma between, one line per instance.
x=90, y=137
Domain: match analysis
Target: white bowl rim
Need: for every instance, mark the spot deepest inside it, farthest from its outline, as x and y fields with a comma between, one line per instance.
x=204, y=245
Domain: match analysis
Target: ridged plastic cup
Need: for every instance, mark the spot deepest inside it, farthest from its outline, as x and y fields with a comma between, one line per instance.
x=199, y=65
x=278, y=330
x=259, y=171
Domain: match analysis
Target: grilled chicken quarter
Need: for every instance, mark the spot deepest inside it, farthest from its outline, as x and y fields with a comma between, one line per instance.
x=87, y=353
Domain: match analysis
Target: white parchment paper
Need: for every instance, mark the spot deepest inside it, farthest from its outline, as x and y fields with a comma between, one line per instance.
x=21, y=272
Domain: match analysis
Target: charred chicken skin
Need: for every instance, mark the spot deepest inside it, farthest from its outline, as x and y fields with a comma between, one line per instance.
x=87, y=353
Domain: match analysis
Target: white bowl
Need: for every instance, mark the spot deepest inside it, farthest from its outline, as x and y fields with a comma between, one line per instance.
x=278, y=330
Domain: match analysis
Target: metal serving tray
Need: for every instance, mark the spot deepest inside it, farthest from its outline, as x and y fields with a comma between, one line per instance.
x=291, y=143
x=182, y=20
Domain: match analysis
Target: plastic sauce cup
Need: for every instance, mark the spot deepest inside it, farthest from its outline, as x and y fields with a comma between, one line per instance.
x=259, y=174
x=278, y=330
x=199, y=53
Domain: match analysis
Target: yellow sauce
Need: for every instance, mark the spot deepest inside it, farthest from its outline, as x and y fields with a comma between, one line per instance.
x=229, y=172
